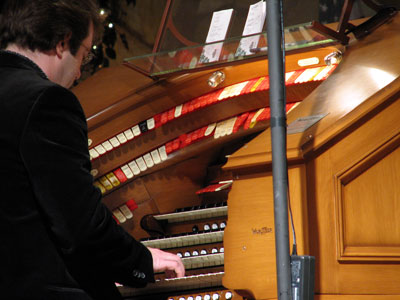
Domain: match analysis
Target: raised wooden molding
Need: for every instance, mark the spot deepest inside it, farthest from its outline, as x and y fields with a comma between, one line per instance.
x=367, y=202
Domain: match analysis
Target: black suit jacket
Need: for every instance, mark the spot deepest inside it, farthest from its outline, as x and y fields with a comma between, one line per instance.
x=57, y=240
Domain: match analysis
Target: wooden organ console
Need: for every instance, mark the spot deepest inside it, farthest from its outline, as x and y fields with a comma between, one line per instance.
x=187, y=168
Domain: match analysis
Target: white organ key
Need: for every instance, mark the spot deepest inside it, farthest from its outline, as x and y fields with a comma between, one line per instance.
x=214, y=237
x=210, y=129
x=122, y=138
x=148, y=160
x=107, y=145
x=127, y=171
x=204, y=280
x=169, y=243
x=188, y=263
x=179, y=242
x=163, y=243
x=136, y=130
x=118, y=214
x=178, y=111
x=100, y=149
x=134, y=167
x=196, y=263
x=94, y=153
x=129, y=134
x=150, y=124
x=174, y=284
x=187, y=240
x=194, y=214
x=141, y=163
x=209, y=238
x=156, y=156
x=163, y=153
x=205, y=260
x=196, y=239
x=114, y=141
x=126, y=211
x=172, y=242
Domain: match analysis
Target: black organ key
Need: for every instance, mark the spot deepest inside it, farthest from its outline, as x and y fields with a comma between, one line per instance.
x=143, y=126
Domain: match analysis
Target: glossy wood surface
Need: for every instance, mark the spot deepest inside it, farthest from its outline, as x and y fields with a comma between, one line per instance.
x=352, y=165
x=118, y=98
x=366, y=77
x=249, y=235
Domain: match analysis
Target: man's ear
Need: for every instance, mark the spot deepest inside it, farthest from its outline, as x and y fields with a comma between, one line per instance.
x=62, y=46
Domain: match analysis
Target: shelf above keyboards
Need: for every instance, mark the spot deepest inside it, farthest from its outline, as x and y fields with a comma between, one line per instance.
x=194, y=214
x=186, y=240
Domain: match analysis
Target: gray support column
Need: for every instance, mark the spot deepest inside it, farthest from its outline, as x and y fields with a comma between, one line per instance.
x=278, y=138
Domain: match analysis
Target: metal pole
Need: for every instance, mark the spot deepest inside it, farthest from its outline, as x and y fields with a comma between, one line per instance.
x=278, y=139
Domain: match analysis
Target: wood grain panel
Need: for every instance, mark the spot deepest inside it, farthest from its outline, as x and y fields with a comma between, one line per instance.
x=373, y=141
x=249, y=238
x=368, y=202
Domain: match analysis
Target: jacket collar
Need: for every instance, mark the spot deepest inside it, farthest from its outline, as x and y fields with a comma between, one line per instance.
x=13, y=59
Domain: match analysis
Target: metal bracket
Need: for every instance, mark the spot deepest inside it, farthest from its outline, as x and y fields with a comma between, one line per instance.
x=383, y=14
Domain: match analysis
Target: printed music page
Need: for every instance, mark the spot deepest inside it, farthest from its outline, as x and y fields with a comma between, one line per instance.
x=254, y=24
x=217, y=32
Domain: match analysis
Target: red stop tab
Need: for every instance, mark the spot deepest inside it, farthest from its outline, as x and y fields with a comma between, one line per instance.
x=120, y=175
x=131, y=204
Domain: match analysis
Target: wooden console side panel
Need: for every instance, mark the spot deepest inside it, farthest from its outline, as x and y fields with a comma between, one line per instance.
x=354, y=201
x=249, y=239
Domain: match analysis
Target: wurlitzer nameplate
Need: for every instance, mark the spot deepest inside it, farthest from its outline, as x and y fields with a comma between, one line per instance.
x=303, y=274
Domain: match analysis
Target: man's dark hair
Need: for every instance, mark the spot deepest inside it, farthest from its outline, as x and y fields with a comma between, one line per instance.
x=42, y=24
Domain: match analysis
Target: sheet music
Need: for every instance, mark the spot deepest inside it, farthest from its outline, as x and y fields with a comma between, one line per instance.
x=217, y=32
x=254, y=24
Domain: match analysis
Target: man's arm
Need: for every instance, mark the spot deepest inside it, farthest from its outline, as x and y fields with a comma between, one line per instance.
x=54, y=150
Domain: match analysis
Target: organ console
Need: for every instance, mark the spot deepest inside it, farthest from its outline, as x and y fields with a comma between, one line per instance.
x=186, y=167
